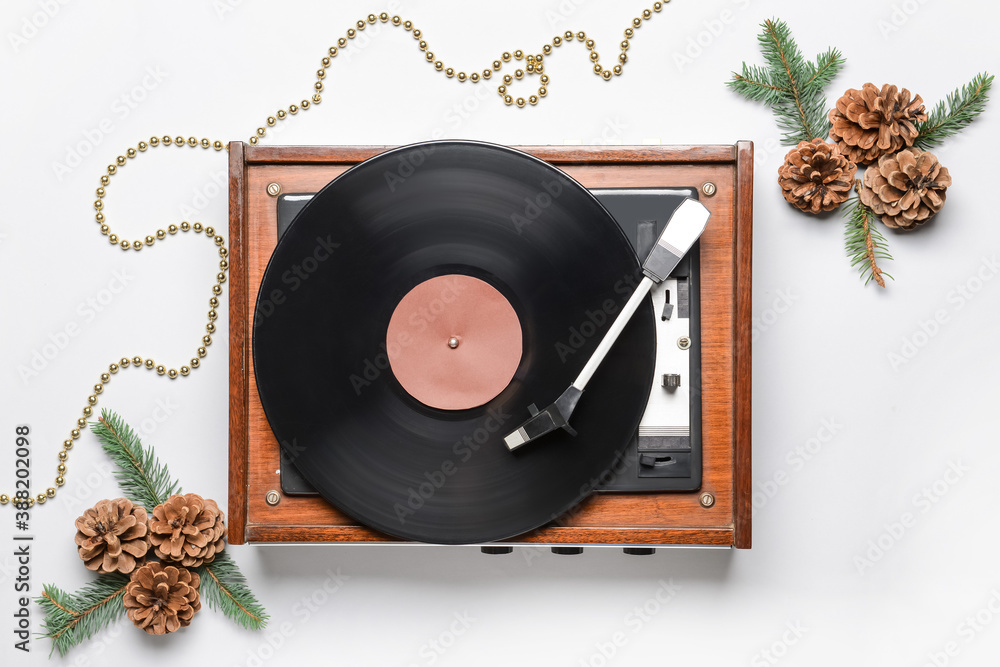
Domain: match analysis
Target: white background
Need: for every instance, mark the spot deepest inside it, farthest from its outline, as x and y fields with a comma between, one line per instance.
x=821, y=350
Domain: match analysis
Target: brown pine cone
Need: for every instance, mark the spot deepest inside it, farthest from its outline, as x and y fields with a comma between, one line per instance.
x=113, y=536
x=162, y=598
x=816, y=176
x=905, y=189
x=869, y=123
x=188, y=530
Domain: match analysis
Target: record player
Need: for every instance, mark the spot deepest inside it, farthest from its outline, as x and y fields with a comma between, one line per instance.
x=394, y=310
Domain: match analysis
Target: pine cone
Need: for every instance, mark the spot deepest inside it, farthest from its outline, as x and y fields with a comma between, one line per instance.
x=113, y=536
x=162, y=598
x=188, y=530
x=905, y=189
x=869, y=123
x=816, y=176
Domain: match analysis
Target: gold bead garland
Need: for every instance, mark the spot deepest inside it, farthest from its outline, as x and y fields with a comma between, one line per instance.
x=533, y=65
x=136, y=245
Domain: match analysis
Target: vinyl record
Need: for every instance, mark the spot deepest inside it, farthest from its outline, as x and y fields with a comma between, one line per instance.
x=525, y=230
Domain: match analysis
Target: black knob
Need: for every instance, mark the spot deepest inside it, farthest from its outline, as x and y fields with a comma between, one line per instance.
x=639, y=551
x=496, y=551
x=656, y=460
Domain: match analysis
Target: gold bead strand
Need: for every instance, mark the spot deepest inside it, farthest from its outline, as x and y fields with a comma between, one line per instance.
x=120, y=162
x=534, y=65
x=325, y=62
x=637, y=22
x=137, y=361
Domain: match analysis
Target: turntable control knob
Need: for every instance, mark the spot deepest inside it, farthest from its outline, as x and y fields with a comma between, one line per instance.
x=496, y=551
x=671, y=381
x=639, y=551
x=453, y=342
x=656, y=460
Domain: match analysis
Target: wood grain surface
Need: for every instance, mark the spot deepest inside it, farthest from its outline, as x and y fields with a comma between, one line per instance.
x=604, y=518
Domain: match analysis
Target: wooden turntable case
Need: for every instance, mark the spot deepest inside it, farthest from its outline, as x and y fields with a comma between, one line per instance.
x=669, y=518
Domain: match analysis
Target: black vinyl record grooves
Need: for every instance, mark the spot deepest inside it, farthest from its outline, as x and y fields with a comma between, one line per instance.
x=319, y=342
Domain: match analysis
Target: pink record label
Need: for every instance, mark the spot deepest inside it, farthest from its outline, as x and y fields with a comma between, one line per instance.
x=454, y=342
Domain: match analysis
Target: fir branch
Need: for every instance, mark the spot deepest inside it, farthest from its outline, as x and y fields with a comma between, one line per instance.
x=962, y=107
x=790, y=85
x=225, y=588
x=825, y=69
x=143, y=479
x=864, y=242
x=71, y=618
x=783, y=54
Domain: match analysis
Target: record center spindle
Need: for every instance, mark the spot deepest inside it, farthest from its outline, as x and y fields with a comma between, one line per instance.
x=482, y=336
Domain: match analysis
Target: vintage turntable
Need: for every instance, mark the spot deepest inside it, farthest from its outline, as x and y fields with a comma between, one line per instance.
x=352, y=375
